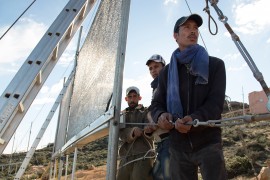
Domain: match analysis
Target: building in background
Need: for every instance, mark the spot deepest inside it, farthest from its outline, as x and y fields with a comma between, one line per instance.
x=257, y=102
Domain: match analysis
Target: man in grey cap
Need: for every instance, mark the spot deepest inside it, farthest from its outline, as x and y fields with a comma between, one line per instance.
x=161, y=166
x=191, y=87
x=137, y=148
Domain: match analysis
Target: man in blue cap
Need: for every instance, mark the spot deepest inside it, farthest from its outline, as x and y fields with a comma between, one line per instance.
x=191, y=87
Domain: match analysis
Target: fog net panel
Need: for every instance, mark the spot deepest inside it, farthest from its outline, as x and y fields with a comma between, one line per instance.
x=93, y=85
x=60, y=137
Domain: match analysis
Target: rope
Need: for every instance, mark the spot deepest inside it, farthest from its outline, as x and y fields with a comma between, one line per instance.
x=17, y=20
x=140, y=158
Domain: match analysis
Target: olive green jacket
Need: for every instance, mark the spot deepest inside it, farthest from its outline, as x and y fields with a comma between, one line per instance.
x=131, y=147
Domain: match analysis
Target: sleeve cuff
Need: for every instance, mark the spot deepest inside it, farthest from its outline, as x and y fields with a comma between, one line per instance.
x=156, y=115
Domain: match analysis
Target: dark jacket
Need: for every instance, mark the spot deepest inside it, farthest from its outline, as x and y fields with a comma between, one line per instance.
x=202, y=102
x=131, y=147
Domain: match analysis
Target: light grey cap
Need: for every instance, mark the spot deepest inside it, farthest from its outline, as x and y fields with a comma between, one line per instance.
x=132, y=88
x=157, y=58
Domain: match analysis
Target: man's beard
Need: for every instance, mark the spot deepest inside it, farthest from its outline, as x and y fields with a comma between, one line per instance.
x=133, y=105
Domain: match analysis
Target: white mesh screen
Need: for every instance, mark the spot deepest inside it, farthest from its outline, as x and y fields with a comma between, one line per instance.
x=94, y=78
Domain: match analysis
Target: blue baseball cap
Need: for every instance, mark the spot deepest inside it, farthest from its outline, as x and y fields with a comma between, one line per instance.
x=182, y=20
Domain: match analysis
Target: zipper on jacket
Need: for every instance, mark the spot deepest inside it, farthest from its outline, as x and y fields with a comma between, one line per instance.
x=188, y=98
x=188, y=89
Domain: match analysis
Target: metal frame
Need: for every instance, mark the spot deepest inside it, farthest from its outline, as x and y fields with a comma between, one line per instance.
x=20, y=93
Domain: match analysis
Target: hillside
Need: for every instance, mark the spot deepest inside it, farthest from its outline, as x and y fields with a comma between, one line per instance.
x=94, y=154
x=246, y=148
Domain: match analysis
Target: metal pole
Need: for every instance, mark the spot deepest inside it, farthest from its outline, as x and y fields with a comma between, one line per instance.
x=29, y=136
x=55, y=168
x=78, y=47
x=74, y=163
x=51, y=170
x=10, y=160
x=117, y=93
x=243, y=102
x=256, y=73
x=66, y=171
x=231, y=121
x=60, y=167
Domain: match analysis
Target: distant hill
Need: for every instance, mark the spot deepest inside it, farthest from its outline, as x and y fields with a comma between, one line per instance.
x=95, y=153
x=234, y=106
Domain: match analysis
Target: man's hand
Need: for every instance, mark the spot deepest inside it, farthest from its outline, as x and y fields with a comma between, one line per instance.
x=150, y=128
x=137, y=132
x=165, y=121
x=180, y=124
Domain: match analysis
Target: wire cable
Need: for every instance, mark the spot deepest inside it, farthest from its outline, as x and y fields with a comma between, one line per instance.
x=206, y=9
x=199, y=31
x=17, y=20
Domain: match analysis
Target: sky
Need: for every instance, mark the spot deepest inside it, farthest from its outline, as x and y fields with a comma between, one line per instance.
x=150, y=31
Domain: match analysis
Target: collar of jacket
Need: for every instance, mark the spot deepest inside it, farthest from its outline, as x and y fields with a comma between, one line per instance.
x=139, y=107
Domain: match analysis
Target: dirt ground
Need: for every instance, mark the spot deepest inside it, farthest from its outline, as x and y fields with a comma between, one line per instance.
x=98, y=173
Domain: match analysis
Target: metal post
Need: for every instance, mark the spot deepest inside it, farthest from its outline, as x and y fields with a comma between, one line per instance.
x=256, y=73
x=31, y=152
x=66, y=171
x=55, y=168
x=74, y=163
x=117, y=90
x=29, y=136
x=51, y=170
x=60, y=168
x=24, y=87
x=10, y=160
x=243, y=102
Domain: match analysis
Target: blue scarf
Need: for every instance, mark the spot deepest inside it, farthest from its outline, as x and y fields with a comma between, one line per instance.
x=198, y=59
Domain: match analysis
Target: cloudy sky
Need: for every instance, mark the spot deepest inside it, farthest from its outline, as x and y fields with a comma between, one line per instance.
x=150, y=32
